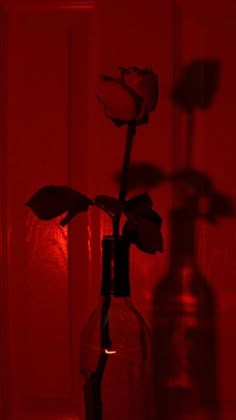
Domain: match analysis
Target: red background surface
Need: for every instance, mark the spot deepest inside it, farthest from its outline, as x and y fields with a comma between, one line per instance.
x=53, y=131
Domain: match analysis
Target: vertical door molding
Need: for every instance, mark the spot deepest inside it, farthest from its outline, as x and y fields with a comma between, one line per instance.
x=5, y=400
x=209, y=30
x=22, y=393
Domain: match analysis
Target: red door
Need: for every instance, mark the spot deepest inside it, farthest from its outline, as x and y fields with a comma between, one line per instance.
x=47, y=68
x=53, y=131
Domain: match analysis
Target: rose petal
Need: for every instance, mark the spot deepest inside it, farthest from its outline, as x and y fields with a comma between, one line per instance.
x=144, y=83
x=142, y=117
x=120, y=102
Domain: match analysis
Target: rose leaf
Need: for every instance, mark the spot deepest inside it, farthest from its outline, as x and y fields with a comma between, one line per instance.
x=51, y=201
x=145, y=234
x=143, y=226
x=139, y=204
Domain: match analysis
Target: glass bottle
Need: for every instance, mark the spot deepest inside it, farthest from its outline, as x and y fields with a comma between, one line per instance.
x=115, y=345
x=184, y=331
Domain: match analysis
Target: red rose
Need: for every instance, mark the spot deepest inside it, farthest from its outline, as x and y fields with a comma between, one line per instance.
x=130, y=97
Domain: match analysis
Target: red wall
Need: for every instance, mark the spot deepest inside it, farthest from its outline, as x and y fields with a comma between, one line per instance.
x=54, y=132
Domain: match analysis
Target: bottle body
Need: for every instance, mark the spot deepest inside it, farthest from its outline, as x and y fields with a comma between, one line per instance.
x=115, y=347
x=125, y=381
x=185, y=343
x=184, y=327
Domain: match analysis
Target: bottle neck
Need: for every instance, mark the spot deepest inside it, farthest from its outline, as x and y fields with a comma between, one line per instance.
x=183, y=240
x=116, y=301
x=115, y=267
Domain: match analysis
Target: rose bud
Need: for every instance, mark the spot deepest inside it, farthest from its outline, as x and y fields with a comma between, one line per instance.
x=130, y=97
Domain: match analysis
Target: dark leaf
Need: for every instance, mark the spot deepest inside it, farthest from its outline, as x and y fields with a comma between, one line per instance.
x=139, y=204
x=145, y=234
x=51, y=201
x=130, y=231
x=143, y=226
x=150, y=237
x=111, y=204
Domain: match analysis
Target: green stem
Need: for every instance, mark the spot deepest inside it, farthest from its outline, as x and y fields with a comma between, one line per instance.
x=131, y=131
x=92, y=388
x=104, y=209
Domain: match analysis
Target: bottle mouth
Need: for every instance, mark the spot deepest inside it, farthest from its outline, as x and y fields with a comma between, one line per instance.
x=115, y=241
x=114, y=238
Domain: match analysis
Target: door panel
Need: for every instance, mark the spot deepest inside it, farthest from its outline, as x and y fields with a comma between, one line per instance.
x=48, y=62
x=210, y=36
x=53, y=131
x=169, y=36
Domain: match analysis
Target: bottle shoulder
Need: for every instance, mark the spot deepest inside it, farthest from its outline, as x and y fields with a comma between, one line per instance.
x=119, y=312
x=193, y=294
x=127, y=329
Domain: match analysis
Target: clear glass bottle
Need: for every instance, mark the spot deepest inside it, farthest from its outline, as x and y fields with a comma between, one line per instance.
x=115, y=345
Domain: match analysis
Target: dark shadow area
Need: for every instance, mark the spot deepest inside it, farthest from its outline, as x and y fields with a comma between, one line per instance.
x=142, y=175
x=184, y=322
x=198, y=85
x=184, y=325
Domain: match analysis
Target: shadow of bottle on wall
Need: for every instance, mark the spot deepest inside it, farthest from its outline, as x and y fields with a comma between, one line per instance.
x=184, y=325
x=184, y=316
